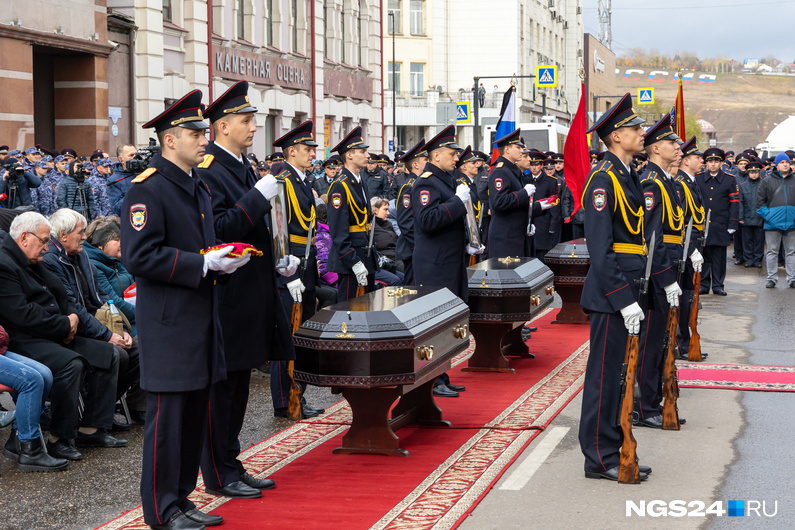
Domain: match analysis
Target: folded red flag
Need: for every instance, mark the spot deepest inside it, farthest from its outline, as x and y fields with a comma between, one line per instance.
x=240, y=250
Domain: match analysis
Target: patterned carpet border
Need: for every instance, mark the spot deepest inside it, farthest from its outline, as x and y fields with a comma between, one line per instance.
x=690, y=378
x=459, y=482
x=274, y=453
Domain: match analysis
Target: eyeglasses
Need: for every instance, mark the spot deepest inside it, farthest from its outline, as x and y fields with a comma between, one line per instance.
x=43, y=241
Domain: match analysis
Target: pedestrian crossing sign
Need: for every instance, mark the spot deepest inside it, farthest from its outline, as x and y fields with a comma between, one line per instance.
x=645, y=96
x=546, y=76
x=463, y=112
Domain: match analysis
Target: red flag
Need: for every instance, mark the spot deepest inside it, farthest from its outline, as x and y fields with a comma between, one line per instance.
x=576, y=160
x=680, y=113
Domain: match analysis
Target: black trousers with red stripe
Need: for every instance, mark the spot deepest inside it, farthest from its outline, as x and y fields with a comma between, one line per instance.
x=173, y=438
x=346, y=287
x=651, y=360
x=600, y=437
x=228, y=401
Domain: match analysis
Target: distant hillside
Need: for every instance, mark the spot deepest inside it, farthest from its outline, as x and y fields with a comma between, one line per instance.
x=744, y=108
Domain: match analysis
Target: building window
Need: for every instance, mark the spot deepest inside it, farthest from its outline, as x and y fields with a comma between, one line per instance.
x=241, y=30
x=359, y=46
x=328, y=30
x=394, y=25
x=342, y=36
x=394, y=76
x=417, y=8
x=294, y=26
x=416, y=79
x=167, y=11
x=269, y=23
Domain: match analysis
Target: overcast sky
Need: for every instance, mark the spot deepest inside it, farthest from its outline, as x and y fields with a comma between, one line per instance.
x=737, y=28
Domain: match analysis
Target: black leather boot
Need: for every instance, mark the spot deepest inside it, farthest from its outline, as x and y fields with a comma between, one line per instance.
x=33, y=457
x=11, y=449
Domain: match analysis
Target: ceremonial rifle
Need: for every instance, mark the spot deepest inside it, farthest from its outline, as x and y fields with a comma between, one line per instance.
x=360, y=288
x=628, y=471
x=294, y=409
x=670, y=414
x=694, y=350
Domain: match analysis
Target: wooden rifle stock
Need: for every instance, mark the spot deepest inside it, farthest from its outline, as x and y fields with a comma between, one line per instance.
x=359, y=290
x=694, y=350
x=628, y=471
x=670, y=414
x=294, y=408
x=473, y=260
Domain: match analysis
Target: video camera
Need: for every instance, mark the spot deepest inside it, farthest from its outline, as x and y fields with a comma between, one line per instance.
x=15, y=170
x=140, y=161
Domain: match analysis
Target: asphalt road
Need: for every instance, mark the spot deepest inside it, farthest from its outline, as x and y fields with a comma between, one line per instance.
x=735, y=445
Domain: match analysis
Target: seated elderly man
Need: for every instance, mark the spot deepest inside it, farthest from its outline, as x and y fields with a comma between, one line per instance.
x=42, y=323
x=66, y=259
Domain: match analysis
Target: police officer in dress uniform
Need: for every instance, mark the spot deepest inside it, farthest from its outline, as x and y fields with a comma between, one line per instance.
x=482, y=185
x=545, y=198
x=722, y=197
x=613, y=206
x=415, y=160
x=690, y=199
x=240, y=205
x=297, y=287
x=509, y=200
x=440, y=242
x=350, y=218
x=665, y=217
x=465, y=172
x=167, y=220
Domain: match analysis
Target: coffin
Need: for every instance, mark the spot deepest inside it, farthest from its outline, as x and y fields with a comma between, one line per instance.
x=504, y=293
x=386, y=345
x=570, y=262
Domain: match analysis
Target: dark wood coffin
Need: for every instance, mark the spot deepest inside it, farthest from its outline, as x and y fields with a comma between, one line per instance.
x=570, y=262
x=504, y=293
x=386, y=345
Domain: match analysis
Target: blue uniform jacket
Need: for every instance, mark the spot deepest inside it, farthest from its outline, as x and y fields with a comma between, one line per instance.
x=509, y=204
x=349, y=216
x=722, y=197
x=405, y=218
x=439, y=232
x=167, y=219
x=250, y=294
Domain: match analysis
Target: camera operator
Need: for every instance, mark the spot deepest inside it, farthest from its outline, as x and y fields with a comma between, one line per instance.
x=74, y=191
x=44, y=197
x=16, y=183
x=120, y=180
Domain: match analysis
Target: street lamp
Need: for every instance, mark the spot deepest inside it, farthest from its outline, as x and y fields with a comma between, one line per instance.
x=394, y=85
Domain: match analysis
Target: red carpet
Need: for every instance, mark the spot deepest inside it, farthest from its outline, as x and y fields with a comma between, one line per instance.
x=448, y=471
x=737, y=377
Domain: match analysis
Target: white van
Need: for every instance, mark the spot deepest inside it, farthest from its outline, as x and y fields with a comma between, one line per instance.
x=545, y=136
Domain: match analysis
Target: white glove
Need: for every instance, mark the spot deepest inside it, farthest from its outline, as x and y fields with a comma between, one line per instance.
x=296, y=287
x=530, y=189
x=291, y=268
x=217, y=260
x=361, y=273
x=731, y=231
x=532, y=230
x=472, y=251
x=462, y=192
x=632, y=314
x=267, y=186
x=672, y=293
x=546, y=205
x=697, y=260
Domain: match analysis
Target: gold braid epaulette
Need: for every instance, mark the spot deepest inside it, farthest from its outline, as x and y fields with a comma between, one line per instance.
x=295, y=206
x=355, y=210
x=691, y=205
x=620, y=200
x=677, y=217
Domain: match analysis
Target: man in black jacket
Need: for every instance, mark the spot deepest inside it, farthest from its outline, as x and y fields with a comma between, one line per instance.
x=240, y=205
x=42, y=323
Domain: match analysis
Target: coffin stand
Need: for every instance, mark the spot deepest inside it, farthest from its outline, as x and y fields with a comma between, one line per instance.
x=374, y=349
x=570, y=262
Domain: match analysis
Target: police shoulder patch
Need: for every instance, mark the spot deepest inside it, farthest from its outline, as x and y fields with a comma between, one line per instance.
x=425, y=197
x=648, y=198
x=426, y=175
x=336, y=200
x=599, y=199
x=406, y=200
x=208, y=159
x=138, y=216
x=148, y=172
x=498, y=183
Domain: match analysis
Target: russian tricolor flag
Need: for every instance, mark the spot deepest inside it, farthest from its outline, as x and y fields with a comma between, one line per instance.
x=507, y=121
